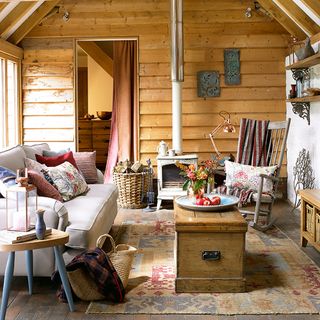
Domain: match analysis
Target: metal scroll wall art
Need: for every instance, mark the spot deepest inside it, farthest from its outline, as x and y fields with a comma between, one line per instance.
x=303, y=177
x=302, y=109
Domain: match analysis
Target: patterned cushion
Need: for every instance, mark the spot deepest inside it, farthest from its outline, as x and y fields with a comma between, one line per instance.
x=68, y=180
x=55, y=161
x=7, y=179
x=247, y=177
x=44, y=188
x=86, y=162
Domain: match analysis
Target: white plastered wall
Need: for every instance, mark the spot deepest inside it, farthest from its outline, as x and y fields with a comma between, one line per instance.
x=302, y=135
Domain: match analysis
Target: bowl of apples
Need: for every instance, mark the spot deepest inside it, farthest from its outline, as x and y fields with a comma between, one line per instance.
x=209, y=202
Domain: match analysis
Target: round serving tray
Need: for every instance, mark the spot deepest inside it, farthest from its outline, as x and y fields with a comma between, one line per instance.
x=226, y=203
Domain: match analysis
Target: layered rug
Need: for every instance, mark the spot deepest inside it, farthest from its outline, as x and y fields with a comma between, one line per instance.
x=281, y=279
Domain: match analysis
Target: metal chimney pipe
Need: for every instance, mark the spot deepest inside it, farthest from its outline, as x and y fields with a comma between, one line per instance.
x=177, y=72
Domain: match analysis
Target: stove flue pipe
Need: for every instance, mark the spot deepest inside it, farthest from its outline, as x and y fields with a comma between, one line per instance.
x=177, y=72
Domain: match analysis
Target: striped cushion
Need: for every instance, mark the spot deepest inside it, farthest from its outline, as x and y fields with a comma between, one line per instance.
x=86, y=162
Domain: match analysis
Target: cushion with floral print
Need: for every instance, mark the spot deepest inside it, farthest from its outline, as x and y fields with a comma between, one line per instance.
x=243, y=176
x=67, y=180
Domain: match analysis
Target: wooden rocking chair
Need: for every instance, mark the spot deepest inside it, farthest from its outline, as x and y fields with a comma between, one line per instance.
x=277, y=133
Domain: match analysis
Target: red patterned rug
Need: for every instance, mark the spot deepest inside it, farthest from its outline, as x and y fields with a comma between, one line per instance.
x=281, y=279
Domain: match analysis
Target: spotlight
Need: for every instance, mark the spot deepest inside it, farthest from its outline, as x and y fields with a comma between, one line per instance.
x=66, y=16
x=248, y=13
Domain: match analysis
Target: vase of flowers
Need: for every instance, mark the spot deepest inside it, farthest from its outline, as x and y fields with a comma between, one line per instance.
x=197, y=177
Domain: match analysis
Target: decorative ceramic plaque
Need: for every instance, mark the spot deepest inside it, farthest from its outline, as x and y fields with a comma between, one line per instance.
x=232, y=66
x=208, y=84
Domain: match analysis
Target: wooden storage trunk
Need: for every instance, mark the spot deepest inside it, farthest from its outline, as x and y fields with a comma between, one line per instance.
x=219, y=236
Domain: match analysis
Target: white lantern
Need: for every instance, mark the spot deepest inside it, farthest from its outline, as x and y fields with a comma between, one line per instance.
x=21, y=206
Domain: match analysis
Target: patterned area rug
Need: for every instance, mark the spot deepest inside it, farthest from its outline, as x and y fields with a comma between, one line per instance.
x=281, y=279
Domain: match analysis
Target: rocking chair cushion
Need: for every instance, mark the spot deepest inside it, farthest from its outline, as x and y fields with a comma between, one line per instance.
x=247, y=177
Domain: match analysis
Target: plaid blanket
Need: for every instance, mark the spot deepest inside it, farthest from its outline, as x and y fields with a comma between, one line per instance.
x=99, y=267
x=253, y=141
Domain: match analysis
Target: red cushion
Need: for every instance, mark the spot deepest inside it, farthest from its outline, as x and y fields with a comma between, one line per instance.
x=55, y=161
x=44, y=188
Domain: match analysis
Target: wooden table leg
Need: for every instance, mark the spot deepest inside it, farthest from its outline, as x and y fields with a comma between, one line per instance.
x=29, y=263
x=8, y=275
x=63, y=276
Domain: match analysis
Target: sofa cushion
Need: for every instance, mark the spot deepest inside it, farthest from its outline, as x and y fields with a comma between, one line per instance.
x=52, y=153
x=67, y=180
x=34, y=149
x=57, y=160
x=91, y=215
x=13, y=158
x=44, y=188
x=86, y=162
x=7, y=179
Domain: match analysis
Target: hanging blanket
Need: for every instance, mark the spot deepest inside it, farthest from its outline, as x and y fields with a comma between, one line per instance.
x=253, y=141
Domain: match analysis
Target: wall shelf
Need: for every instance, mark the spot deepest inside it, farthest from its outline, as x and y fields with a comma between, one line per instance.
x=305, y=99
x=300, y=69
x=305, y=63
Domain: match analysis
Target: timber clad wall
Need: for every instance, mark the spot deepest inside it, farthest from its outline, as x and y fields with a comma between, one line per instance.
x=210, y=26
x=48, y=92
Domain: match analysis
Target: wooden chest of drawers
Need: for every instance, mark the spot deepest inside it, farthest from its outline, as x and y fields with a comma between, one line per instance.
x=95, y=135
x=209, y=250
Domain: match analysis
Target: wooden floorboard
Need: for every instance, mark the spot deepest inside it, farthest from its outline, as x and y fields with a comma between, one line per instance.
x=44, y=304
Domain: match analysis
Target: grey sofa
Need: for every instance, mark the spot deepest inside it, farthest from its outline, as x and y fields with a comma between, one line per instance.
x=84, y=218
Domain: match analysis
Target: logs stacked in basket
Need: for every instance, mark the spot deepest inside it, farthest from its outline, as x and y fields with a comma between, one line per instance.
x=132, y=182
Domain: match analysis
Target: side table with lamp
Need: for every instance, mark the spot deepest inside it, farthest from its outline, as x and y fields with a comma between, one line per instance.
x=21, y=206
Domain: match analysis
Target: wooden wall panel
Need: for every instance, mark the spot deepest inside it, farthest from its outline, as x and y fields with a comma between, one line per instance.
x=210, y=26
x=48, y=92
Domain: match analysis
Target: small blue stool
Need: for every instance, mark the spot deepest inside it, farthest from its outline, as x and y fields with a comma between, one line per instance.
x=56, y=239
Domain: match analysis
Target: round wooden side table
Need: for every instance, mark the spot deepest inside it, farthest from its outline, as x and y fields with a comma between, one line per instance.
x=56, y=239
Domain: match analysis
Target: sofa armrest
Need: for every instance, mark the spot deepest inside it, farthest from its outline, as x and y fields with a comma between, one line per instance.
x=56, y=214
x=100, y=177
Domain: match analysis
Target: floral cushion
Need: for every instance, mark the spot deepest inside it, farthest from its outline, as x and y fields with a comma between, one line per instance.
x=67, y=180
x=243, y=176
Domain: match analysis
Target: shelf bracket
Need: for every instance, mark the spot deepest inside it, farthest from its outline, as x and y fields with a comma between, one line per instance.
x=302, y=109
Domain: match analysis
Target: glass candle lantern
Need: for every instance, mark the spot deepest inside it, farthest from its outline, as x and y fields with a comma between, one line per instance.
x=21, y=206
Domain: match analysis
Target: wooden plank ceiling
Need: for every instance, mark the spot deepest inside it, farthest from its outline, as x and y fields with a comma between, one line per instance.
x=18, y=18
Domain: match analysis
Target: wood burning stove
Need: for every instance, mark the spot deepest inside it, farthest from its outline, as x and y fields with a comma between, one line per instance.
x=169, y=180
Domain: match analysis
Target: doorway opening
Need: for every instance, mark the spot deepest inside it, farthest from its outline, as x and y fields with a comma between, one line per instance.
x=95, y=93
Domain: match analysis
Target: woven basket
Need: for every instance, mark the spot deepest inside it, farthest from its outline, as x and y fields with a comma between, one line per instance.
x=132, y=187
x=121, y=257
x=83, y=285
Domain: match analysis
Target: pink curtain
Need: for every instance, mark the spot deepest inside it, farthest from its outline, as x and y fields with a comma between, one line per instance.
x=123, y=138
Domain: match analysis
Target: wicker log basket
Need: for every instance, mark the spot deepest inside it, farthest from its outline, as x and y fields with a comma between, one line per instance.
x=132, y=186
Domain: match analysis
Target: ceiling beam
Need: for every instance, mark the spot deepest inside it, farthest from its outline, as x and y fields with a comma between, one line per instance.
x=32, y=21
x=10, y=49
x=283, y=19
x=298, y=16
x=98, y=55
x=13, y=17
x=313, y=5
x=315, y=38
x=8, y=8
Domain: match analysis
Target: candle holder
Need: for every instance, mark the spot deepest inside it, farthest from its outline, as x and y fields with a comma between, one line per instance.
x=21, y=206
